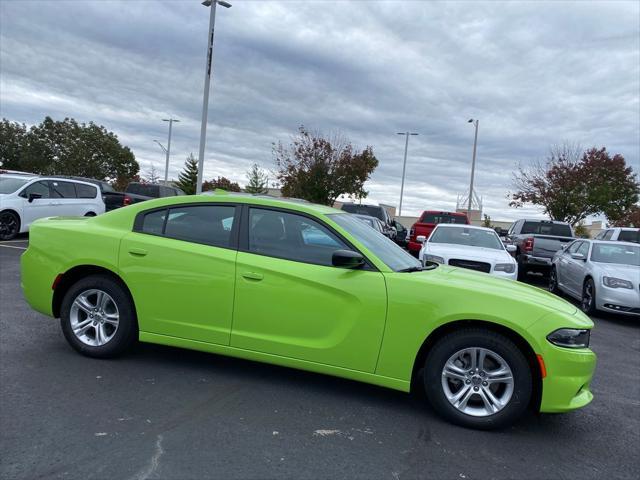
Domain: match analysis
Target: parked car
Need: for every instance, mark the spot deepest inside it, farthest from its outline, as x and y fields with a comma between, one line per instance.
x=402, y=234
x=26, y=198
x=466, y=246
x=112, y=198
x=427, y=222
x=536, y=242
x=622, y=234
x=373, y=211
x=236, y=275
x=373, y=222
x=603, y=275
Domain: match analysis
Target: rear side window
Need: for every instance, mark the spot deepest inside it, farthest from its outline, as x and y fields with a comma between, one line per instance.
x=86, y=191
x=547, y=228
x=206, y=224
x=629, y=236
x=62, y=189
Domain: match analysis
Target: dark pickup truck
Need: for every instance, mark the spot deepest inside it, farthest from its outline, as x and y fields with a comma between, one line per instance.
x=536, y=243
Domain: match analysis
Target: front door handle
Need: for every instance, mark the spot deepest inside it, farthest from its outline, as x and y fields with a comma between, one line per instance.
x=138, y=252
x=252, y=276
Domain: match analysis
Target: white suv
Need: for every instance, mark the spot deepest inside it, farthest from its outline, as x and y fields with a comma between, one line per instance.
x=25, y=198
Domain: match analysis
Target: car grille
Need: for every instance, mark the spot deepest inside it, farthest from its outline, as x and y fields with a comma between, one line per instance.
x=471, y=265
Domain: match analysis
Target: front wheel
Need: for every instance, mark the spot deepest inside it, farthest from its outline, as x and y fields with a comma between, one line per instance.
x=98, y=318
x=9, y=225
x=478, y=378
x=588, y=302
x=553, y=281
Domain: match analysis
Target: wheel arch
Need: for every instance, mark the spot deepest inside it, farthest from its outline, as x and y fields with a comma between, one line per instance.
x=71, y=276
x=511, y=334
x=15, y=212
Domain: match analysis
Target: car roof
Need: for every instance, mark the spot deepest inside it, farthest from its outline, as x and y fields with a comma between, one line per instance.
x=543, y=220
x=23, y=176
x=626, y=229
x=459, y=225
x=609, y=242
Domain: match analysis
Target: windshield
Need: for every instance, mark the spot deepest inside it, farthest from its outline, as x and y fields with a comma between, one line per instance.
x=383, y=248
x=616, y=253
x=547, y=228
x=471, y=237
x=11, y=184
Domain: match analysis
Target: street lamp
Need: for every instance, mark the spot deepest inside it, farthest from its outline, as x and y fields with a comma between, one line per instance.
x=168, y=149
x=473, y=163
x=404, y=166
x=207, y=81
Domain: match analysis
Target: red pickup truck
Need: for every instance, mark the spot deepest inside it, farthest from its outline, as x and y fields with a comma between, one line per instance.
x=428, y=221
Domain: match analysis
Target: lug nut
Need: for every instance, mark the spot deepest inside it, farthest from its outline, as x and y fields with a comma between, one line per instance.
x=475, y=388
x=468, y=382
x=485, y=383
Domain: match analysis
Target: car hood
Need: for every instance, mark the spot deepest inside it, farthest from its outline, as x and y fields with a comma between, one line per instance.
x=495, y=286
x=469, y=253
x=625, y=272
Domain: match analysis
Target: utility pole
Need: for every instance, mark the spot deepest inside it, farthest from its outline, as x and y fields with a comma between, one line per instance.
x=473, y=163
x=168, y=149
x=404, y=166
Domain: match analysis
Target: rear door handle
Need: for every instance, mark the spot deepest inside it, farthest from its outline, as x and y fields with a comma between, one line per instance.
x=138, y=252
x=252, y=276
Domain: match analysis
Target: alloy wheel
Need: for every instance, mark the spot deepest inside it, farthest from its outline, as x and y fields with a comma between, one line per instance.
x=8, y=225
x=94, y=317
x=477, y=381
x=587, y=297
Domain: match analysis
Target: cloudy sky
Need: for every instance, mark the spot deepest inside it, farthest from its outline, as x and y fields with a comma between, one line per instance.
x=534, y=73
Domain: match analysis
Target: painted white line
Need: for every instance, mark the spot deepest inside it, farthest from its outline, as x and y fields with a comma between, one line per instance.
x=11, y=246
x=14, y=241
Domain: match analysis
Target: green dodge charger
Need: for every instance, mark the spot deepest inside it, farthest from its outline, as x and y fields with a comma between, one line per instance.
x=309, y=287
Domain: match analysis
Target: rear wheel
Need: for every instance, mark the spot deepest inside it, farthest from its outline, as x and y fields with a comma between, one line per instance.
x=9, y=225
x=97, y=317
x=522, y=269
x=588, y=302
x=478, y=378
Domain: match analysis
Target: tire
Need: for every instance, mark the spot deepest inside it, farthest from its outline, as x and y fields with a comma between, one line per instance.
x=89, y=214
x=553, y=282
x=513, y=394
x=522, y=269
x=98, y=335
x=9, y=225
x=588, y=301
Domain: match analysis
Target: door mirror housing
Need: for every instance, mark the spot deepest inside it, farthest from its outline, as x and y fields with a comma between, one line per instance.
x=577, y=256
x=34, y=196
x=347, y=259
x=511, y=248
x=421, y=239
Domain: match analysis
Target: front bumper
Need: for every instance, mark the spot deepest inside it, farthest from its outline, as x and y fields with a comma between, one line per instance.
x=619, y=300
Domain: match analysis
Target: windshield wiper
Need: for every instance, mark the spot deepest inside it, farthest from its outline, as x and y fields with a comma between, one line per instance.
x=411, y=269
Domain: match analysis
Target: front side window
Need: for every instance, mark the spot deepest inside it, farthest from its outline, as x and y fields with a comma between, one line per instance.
x=62, y=189
x=206, y=224
x=39, y=188
x=584, y=249
x=292, y=237
x=573, y=248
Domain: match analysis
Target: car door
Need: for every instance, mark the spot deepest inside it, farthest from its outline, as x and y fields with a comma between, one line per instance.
x=40, y=207
x=65, y=198
x=575, y=268
x=290, y=301
x=179, y=263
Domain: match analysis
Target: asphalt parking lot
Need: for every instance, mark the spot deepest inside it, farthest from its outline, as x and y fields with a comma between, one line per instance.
x=167, y=413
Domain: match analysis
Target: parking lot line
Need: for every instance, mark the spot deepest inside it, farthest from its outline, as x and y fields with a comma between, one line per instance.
x=12, y=246
x=14, y=241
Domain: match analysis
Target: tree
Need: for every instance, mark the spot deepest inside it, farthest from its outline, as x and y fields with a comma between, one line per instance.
x=320, y=169
x=220, y=182
x=66, y=148
x=188, y=178
x=571, y=185
x=257, y=180
x=630, y=218
x=152, y=174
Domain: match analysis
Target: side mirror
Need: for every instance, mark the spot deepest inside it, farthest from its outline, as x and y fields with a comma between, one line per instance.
x=347, y=259
x=421, y=239
x=33, y=196
x=511, y=248
x=577, y=256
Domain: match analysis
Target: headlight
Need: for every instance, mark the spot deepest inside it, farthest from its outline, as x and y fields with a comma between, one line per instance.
x=505, y=267
x=433, y=258
x=570, y=338
x=613, y=282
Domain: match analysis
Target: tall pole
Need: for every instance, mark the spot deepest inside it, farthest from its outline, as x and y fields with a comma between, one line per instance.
x=205, y=97
x=473, y=164
x=168, y=149
x=404, y=167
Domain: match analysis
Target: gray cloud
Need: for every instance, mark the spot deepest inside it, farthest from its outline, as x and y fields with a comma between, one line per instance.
x=535, y=73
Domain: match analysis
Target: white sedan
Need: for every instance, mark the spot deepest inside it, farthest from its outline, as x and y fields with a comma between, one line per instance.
x=466, y=246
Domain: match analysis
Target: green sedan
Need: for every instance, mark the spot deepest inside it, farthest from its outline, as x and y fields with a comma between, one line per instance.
x=309, y=287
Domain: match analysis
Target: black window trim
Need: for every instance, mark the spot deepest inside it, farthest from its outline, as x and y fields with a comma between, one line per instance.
x=235, y=228
x=243, y=244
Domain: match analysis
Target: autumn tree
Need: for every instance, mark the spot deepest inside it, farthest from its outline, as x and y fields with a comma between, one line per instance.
x=188, y=178
x=66, y=148
x=221, y=182
x=320, y=169
x=571, y=185
x=257, y=180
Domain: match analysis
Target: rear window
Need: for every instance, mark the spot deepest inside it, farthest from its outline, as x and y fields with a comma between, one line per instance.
x=547, y=228
x=629, y=236
x=86, y=191
x=370, y=210
x=143, y=189
x=442, y=218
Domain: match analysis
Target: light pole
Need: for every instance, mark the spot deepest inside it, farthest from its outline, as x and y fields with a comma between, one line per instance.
x=168, y=149
x=473, y=163
x=207, y=81
x=404, y=166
